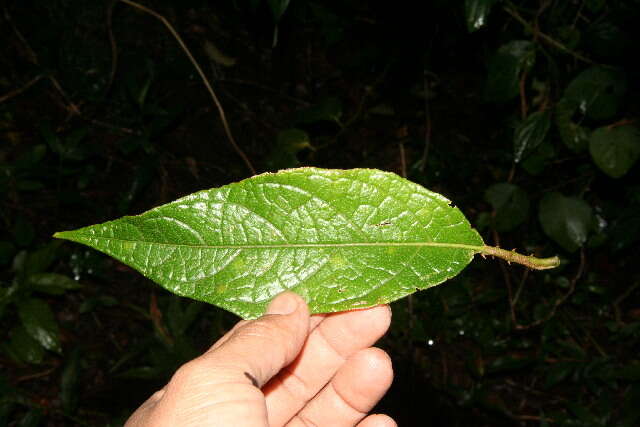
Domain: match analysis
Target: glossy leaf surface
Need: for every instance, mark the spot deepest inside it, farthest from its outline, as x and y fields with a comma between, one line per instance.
x=278, y=7
x=22, y=347
x=342, y=239
x=477, y=12
x=615, y=150
x=504, y=69
x=530, y=134
x=597, y=92
x=567, y=220
x=573, y=135
x=39, y=322
x=52, y=283
x=510, y=203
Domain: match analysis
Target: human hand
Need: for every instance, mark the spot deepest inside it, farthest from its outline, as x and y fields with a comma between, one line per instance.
x=285, y=368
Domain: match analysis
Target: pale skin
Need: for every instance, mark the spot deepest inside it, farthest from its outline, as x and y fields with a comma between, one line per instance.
x=284, y=369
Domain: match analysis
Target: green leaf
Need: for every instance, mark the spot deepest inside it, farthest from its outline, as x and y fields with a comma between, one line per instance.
x=530, y=134
x=23, y=347
x=574, y=136
x=52, y=283
x=7, y=251
x=37, y=261
x=606, y=40
x=569, y=36
x=510, y=203
x=476, y=13
x=39, y=322
x=90, y=304
x=293, y=140
x=33, y=418
x=342, y=239
x=595, y=6
x=504, y=68
x=289, y=142
x=597, y=92
x=557, y=373
x=615, y=150
x=31, y=158
x=567, y=220
x=278, y=7
x=509, y=363
x=328, y=109
x=69, y=382
x=538, y=160
x=23, y=232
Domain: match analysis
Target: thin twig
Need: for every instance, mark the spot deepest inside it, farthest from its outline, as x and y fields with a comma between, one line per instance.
x=516, y=296
x=265, y=88
x=622, y=122
x=30, y=53
x=562, y=299
x=106, y=125
x=427, y=118
x=523, y=95
x=622, y=297
x=403, y=160
x=156, y=319
x=114, y=46
x=533, y=418
x=544, y=37
x=35, y=376
x=205, y=81
x=507, y=281
x=246, y=109
x=33, y=58
x=512, y=172
x=19, y=90
x=71, y=106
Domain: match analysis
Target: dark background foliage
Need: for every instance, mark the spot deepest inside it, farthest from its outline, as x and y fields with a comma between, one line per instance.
x=523, y=113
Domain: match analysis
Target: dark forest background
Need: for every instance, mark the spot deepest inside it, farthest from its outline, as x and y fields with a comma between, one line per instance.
x=524, y=113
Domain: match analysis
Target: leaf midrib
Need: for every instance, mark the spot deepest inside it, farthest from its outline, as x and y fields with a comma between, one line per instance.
x=284, y=245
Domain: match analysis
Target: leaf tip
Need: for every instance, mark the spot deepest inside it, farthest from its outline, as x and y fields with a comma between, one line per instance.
x=62, y=235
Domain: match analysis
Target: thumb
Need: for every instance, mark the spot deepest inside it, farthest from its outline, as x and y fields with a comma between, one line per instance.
x=258, y=349
x=219, y=385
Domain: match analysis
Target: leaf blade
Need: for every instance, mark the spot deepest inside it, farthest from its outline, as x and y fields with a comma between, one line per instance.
x=616, y=150
x=566, y=220
x=341, y=239
x=40, y=323
x=477, y=12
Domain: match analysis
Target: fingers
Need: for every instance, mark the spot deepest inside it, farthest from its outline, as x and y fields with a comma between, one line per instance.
x=353, y=391
x=333, y=341
x=223, y=385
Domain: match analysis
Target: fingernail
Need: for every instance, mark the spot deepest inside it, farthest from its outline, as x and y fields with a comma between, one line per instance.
x=283, y=304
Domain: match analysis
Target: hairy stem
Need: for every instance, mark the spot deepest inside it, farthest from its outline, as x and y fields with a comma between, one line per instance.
x=527, y=260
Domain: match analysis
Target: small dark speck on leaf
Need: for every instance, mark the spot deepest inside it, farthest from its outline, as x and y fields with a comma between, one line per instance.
x=252, y=379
